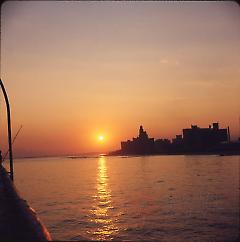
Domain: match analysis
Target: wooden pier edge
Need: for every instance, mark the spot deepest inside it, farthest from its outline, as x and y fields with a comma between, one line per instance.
x=31, y=227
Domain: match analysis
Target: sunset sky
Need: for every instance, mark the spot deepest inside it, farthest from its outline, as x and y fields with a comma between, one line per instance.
x=77, y=70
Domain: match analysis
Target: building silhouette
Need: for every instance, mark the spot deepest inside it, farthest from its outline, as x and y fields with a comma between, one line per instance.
x=201, y=139
x=140, y=145
x=162, y=145
x=192, y=140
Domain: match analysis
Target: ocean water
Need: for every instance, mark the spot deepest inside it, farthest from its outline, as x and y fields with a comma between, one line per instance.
x=161, y=198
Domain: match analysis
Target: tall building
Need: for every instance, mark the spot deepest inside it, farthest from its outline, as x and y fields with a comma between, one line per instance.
x=140, y=145
x=197, y=138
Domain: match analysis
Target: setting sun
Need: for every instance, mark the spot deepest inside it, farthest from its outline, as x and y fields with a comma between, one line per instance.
x=100, y=137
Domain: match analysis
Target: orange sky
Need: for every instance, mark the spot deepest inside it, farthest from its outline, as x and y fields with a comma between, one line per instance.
x=75, y=70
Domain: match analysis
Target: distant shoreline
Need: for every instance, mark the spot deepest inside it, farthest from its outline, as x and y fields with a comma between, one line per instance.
x=125, y=155
x=220, y=153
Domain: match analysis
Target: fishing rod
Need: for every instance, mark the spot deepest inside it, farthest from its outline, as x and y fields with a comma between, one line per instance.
x=12, y=142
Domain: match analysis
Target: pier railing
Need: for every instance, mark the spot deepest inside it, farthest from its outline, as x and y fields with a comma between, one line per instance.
x=9, y=128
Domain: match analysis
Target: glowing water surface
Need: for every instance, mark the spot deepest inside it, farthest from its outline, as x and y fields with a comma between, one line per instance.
x=166, y=198
x=105, y=227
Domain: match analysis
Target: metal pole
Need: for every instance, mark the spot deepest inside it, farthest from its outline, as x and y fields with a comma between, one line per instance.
x=9, y=129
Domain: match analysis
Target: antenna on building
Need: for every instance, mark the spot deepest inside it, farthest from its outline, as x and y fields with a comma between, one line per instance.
x=228, y=131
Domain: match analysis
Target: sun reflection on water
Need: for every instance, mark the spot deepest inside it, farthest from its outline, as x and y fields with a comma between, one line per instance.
x=105, y=228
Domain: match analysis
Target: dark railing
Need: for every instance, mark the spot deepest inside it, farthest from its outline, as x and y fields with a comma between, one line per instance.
x=9, y=129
